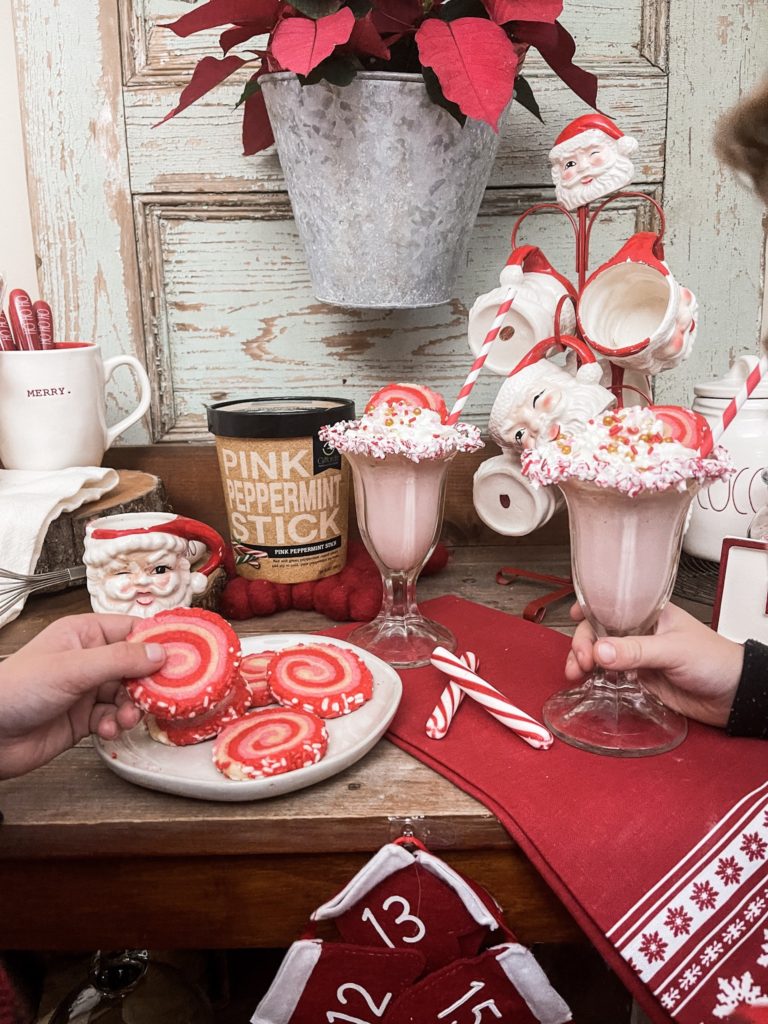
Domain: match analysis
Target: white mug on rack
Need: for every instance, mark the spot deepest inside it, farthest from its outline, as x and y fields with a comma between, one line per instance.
x=53, y=406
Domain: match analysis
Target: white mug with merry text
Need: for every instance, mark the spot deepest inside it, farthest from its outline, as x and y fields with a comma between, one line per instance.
x=53, y=406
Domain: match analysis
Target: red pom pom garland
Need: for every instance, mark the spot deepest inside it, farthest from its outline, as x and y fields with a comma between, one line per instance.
x=269, y=742
x=202, y=655
x=327, y=680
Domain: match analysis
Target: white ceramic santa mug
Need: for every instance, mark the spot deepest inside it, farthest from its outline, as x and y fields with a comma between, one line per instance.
x=634, y=312
x=538, y=309
x=141, y=563
x=537, y=401
x=53, y=406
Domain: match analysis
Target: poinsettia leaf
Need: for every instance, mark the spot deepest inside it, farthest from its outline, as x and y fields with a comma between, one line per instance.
x=226, y=12
x=257, y=131
x=397, y=16
x=437, y=96
x=502, y=11
x=317, y=8
x=556, y=46
x=299, y=44
x=336, y=69
x=475, y=62
x=524, y=96
x=238, y=34
x=252, y=86
x=209, y=73
x=366, y=41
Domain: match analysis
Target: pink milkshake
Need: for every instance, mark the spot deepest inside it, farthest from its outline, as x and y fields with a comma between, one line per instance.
x=628, y=478
x=399, y=452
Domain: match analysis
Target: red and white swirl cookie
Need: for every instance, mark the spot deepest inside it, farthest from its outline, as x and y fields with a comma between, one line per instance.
x=183, y=732
x=269, y=742
x=202, y=655
x=254, y=670
x=322, y=678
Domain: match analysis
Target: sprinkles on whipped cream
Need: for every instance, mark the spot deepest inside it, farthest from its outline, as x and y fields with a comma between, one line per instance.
x=398, y=428
x=624, y=449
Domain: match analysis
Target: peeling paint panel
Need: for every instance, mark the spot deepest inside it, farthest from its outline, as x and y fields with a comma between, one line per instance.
x=240, y=317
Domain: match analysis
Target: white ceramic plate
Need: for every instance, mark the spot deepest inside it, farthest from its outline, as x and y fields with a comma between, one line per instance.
x=189, y=771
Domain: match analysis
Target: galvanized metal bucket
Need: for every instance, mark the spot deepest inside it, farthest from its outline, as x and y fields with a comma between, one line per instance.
x=385, y=186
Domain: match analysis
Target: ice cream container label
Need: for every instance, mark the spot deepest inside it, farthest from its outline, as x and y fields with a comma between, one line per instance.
x=287, y=499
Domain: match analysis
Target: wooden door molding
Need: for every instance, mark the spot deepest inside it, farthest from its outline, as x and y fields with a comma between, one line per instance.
x=77, y=170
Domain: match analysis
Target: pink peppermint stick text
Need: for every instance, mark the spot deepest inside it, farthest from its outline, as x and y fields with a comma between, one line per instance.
x=23, y=320
x=7, y=343
x=440, y=720
x=527, y=728
x=482, y=355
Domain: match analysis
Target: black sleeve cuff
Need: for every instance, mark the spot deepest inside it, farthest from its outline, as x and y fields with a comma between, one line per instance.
x=749, y=712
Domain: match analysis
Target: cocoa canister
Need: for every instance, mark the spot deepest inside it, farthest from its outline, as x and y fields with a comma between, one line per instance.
x=286, y=492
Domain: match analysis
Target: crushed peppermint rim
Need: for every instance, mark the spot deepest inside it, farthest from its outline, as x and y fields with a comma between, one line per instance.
x=398, y=428
x=624, y=449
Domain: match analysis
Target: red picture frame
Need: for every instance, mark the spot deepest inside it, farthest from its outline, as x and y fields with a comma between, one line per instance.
x=741, y=604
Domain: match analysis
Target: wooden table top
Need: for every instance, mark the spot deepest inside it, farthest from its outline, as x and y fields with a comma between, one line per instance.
x=75, y=823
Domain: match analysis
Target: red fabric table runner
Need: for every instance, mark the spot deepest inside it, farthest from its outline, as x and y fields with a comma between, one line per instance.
x=663, y=861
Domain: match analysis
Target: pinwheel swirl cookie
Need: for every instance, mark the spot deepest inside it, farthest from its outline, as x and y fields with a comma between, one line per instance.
x=202, y=656
x=324, y=679
x=183, y=732
x=254, y=671
x=268, y=742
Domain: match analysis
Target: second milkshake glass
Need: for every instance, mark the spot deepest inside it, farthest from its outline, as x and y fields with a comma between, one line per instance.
x=624, y=556
x=399, y=512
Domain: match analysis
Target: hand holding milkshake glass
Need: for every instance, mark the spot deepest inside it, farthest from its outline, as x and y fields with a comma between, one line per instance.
x=399, y=453
x=628, y=477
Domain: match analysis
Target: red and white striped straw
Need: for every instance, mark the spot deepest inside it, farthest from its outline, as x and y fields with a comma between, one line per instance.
x=482, y=355
x=440, y=720
x=754, y=377
x=521, y=723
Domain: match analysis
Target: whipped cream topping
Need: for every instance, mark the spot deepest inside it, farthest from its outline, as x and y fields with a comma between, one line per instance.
x=398, y=428
x=625, y=449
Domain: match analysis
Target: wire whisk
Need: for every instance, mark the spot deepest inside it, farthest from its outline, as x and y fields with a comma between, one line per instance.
x=15, y=586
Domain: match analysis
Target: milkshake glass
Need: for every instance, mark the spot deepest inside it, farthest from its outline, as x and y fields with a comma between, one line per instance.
x=399, y=452
x=399, y=511
x=627, y=508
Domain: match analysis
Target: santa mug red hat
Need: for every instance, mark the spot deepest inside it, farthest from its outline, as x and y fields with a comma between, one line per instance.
x=591, y=159
x=543, y=303
x=634, y=312
x=140, y=563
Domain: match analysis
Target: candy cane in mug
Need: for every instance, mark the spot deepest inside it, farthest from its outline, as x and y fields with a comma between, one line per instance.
x=503, y=710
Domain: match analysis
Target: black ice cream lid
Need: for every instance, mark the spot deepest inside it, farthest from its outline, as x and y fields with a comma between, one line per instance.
x=293, y=416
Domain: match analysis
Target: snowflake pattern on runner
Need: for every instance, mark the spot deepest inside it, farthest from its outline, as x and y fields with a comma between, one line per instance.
x=678, y=921
x=736, y=992
x=729, y=871
x=704, y=895
x=753, y=846
x=694, y=935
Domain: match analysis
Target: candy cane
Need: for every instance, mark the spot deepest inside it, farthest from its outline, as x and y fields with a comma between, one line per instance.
x=482, y=355
x=753, y=379
x=527, y=728
x=440, y=720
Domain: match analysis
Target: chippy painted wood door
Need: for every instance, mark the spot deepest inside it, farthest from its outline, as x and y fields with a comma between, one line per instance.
x=168, y=243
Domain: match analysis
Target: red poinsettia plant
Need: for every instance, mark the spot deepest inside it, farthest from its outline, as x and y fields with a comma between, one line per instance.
x=468, y=51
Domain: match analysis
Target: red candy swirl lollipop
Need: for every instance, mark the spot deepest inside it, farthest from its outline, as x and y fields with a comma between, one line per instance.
x=269, y=742
x=202, y=655
x=254, y=671
x=327, y=680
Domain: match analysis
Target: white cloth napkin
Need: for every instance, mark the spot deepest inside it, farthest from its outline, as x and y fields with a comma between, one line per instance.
x=29, y=502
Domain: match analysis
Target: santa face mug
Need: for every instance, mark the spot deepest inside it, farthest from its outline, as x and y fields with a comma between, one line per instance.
x=143, y=562
x=53, y=406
